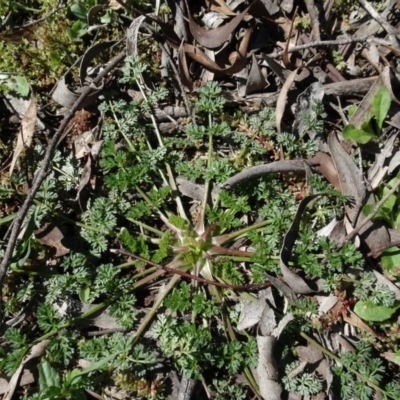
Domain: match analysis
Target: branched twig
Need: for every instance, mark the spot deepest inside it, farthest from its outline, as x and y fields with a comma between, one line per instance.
x=322, y=43
x=41, y=175
x=378, y=205
x=194, y=277
x=382, y=21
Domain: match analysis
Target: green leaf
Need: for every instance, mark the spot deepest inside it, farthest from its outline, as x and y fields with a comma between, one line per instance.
x=84, y=294
x=77, y=30
x=19, y=85
x=107, y=17
x=76, y=374
x=352, y=109
x=398, y=222
x=373, y=313
x=48, y=376
x=391, y=201
x=381, y=105
x=80, y=11
x=350, y=132
x=391, y=258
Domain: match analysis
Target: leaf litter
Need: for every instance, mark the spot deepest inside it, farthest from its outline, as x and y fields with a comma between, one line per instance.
x=293, y=68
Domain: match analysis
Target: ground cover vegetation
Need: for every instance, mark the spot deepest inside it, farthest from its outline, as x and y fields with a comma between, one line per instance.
x=199, y=200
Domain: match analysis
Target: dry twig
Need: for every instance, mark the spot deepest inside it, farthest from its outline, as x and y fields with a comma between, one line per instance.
x=382, y=21
x=378, y=205
x=314, y=19
x=323, y=43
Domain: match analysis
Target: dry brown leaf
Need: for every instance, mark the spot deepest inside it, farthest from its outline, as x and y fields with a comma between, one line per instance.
x=26, y=379
x=132, y=36
x=36, y=351
x=256, y=80
x=350, y=177
x=237, y=59
x=357, y=322
x=213, y=38
x=386, y=76
x=220, y=7
x=251, y=314
x=184, y=70
x=50, y=235
x=114, y=5
x=281, y=103
x=25, y=133
x=327, y=168
x=390, y=356
x=267, y=370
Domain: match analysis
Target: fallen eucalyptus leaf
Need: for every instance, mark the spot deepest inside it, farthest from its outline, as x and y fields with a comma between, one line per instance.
x=25, y=133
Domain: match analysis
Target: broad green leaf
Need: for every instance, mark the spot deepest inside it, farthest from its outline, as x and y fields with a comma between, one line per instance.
x=352, y=109
x=7, y=219
x=382, y=214
x=367, y=209
x=80, y=11
x=76, y=374
x=77, y=30
x=350, y=132
x=48, y=376
x=19, y=85
x=397, y=355
x=84, y=294
x=381, y=105
x=398, y=222
x=392, y=199
x=107, y=17
x=391, y=259
x=367, y=127
x=368, y=311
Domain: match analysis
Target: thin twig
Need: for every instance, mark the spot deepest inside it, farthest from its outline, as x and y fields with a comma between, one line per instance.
x=41, y=175
x=314, y=19
x=323, y=43
x=194, y=277
x=378, y=205
x=382, y=21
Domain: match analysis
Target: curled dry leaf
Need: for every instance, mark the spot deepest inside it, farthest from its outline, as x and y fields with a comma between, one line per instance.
x=213, y=38
x=236, y=62
x=132, y=36
x=256, y=80
x=25, y=133
x=90, y=54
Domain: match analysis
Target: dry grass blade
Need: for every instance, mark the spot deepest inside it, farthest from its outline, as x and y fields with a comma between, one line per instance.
x=25, y=133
